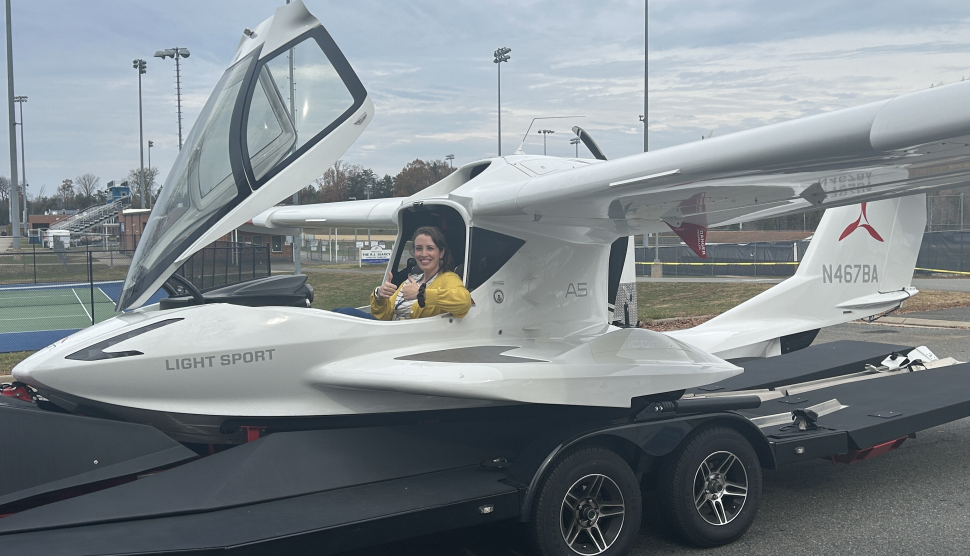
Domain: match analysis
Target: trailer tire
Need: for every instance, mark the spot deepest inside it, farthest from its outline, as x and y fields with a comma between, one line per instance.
x=588, y=504
x=709, y=489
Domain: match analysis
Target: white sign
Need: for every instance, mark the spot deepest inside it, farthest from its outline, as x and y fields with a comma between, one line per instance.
x=360, y=244
x=375, y=256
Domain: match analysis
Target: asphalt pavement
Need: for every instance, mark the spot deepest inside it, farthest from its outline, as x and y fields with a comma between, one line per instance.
x=915, y=500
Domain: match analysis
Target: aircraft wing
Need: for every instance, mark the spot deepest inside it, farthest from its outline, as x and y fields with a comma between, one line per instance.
x=348, y=214
x=914, y=143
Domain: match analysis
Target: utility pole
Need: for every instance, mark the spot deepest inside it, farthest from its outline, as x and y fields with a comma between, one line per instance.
x=12, y=127
x=296, y=196
x=150, y=145
x=501, y=55
x=451, y=159
x=20, y=100
x=575, y=141
x=140, y=65
x=544, y=132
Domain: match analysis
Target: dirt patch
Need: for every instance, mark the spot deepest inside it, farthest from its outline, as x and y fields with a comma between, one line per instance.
x=678, y=323
x=934, y=301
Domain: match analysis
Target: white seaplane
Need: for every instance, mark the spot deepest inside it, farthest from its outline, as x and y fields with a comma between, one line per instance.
x=290, y=430
x=534, y=237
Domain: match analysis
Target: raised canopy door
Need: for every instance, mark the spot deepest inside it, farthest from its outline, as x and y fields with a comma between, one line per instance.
x=286, y=109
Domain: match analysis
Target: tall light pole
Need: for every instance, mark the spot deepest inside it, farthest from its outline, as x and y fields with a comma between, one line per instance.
x=544, y=132
x=501, y=55
x=12, y=128
x=575, y=141
x=21, y=99
x=656, y=270
x=450, y=158
x=176, y=53
x=140, y=65
x=297, y=240
x=646, y=10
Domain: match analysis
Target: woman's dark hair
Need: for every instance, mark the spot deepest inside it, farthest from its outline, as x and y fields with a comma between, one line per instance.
x=447, y=262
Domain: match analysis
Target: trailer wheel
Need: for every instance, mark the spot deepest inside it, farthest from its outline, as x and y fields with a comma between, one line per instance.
x=588, y=504
x=710, y=487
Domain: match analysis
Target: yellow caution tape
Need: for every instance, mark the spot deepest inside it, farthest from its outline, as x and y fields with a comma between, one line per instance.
x=944, y=271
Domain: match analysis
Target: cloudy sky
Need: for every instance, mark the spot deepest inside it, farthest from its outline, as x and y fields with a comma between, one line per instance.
x=717, y=65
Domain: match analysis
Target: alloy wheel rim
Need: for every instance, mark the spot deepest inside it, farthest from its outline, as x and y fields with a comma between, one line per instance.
x=592, y=515
x=720, y=488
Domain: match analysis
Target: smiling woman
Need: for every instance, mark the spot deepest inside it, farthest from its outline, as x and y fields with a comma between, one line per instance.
x=431, y=288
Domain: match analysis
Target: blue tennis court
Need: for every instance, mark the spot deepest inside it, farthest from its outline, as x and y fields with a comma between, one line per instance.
x=34, y=316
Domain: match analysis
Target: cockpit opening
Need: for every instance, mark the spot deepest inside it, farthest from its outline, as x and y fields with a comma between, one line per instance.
x=443, y=217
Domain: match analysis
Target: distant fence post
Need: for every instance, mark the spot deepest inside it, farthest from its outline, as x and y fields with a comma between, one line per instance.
x=35, y=263
x=91, y=283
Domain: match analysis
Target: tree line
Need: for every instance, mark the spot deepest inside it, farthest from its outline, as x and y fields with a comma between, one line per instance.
x=341, y=182
x=348, y=182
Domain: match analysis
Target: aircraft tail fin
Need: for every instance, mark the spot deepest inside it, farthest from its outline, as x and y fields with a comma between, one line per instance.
x=859, y=263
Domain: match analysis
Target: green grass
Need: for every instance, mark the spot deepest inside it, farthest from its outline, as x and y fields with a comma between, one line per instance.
x=668, y=300
x=342, y=289
x=341, y=266
x=9, y=360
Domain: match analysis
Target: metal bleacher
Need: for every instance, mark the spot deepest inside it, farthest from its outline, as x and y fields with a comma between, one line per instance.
x=91, y=218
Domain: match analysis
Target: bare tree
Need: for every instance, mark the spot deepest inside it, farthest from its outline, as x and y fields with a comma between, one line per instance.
x=86, y=184
x=66, y=193
x=4, y=188
x=134, y=178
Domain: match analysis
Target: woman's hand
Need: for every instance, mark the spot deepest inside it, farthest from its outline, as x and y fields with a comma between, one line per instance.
x=386, y=290
x=410, y=290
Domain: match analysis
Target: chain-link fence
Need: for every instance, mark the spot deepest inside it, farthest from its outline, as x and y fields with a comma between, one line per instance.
x=331, y=249
x=947, y=212
x=945, y=251
x=224, y=263
x=777, y=258
x=940, y=252
x=47, y=294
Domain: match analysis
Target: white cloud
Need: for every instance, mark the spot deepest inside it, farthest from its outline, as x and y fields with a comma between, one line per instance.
x=428, y=68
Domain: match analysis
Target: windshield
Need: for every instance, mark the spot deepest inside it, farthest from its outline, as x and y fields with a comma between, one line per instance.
x=270, y=115
x=197, y=190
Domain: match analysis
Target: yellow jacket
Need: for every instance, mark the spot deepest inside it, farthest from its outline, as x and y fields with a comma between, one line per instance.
x=446, y=294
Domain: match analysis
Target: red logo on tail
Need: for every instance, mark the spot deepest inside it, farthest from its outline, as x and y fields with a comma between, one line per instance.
x=864, y=225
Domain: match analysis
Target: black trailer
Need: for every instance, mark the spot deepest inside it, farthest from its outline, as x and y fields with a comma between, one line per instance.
x=73, y=485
